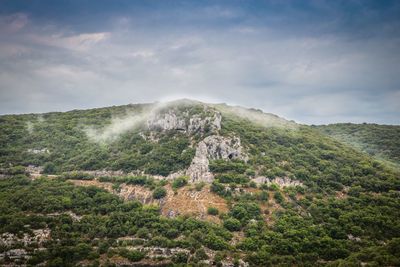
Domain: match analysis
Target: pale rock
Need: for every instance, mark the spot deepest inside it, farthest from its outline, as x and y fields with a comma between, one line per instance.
x=211, y=148
x=280, y=181
x=171, y=121
x=38, y=151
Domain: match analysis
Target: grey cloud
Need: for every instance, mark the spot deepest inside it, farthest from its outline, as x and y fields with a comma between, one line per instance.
x=311, y=79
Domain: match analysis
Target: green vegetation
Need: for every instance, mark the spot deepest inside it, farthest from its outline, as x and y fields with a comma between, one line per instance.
x=212, y=211
x=58, y=141
x=344, y=212
x=159, y=192
x=380, y=141
x=180, y=182
x=104, y=217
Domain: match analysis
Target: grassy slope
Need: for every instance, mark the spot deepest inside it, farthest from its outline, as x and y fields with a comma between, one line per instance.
x=380, y=141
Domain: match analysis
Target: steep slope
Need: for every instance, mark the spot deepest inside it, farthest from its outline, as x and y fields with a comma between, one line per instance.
x=199, y=183
x=380, y=141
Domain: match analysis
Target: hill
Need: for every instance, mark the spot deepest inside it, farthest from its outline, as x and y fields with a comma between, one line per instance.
x=380, y=141
x=187, y=182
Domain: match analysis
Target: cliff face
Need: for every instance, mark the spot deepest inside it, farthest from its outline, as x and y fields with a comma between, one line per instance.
x=213, y=147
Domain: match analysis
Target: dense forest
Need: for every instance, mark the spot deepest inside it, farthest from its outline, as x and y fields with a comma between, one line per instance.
x=343, y=209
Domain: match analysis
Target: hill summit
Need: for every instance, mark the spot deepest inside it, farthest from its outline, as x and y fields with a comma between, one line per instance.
x=187, y=182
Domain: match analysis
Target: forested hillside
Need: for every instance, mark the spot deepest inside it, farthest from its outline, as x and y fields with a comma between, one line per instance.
x=380, y=141
x=191, y=183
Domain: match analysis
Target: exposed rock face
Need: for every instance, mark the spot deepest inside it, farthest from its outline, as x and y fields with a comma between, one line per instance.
x=39, y=236
x=15, y=254
x=129, y=192
x=39, y=151
x=213, y=147
x=171, y=121
x=280, y=181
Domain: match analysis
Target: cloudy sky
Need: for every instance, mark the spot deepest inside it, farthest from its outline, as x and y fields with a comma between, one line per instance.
x=310, y=61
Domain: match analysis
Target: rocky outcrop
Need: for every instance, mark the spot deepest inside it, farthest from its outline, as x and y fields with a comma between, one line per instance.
x=38, y=151
x=280, y=181
x=15, y=254
x=130, y=192
x=213, y=147
x=184, y=123
x=39, y=236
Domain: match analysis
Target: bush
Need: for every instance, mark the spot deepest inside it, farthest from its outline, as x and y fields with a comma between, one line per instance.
x=132, y=255
x=279, y=197
x=49, y=168
x=212, y=211
x=180, y=182
x=245, y=211
x=232, y=224
x=200, y=254
x=234, y=166
x=180, y=257
x=159, y=192
x=200, y=186
x=228, y=178
x=215, y=242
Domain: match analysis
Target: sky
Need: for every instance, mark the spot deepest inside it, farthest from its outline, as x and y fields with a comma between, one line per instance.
x=315, y=62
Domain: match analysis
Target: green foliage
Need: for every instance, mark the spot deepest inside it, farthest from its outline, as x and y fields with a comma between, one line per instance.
x=245, y=211
x=233, y=166
x=67, y=147
x=49, y=168
x=199, y=186
x=132, y=255
x=159, y=192
x=212, y=211
x=346, y=214
x=228, y=178
x=219, y=189
x=77, y=176
x=232, y=224
x=200, y=254
x=279, y=197
x=380, y=141
x=105, y=217
x=180, y=182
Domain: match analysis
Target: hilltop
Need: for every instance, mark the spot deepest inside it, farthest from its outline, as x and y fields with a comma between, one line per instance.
x=190, y=182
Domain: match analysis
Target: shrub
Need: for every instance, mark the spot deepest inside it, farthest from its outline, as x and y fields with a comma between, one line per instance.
x=180, y=257
x=232, y=224
x=200, y=254
x=180, y=182
x=279, y=197
x=200, y=186
x=132, y=255
x=212, y=211
x=234, y=166
x=245, y=211
x=227, y=178
x=49, y=168
x=159, y=192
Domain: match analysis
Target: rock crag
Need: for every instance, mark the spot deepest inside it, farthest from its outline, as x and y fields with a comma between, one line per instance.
x=211, y=148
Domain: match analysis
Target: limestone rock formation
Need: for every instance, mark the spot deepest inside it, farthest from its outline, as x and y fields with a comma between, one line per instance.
x=213, y=147
x=172, y=121
x=280, y=181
